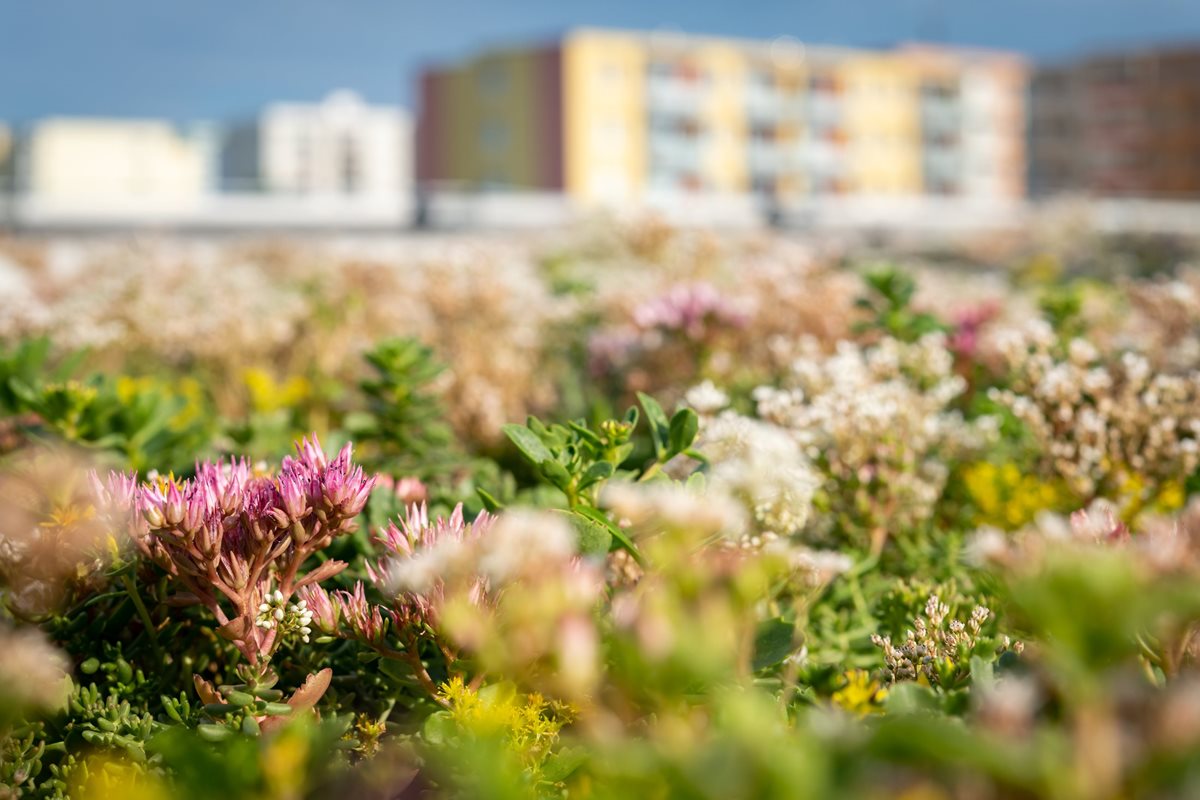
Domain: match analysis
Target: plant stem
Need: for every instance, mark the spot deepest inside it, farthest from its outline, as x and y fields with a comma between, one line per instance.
x=143, y=613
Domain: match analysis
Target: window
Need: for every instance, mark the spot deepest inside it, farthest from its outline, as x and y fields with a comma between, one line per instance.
x=493, y=79
x=493, y=136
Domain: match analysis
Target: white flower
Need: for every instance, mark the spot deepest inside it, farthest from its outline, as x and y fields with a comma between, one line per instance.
x=521, y=541
x=706, y=398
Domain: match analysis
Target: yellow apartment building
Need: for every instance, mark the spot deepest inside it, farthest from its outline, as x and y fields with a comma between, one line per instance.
x=612, y=117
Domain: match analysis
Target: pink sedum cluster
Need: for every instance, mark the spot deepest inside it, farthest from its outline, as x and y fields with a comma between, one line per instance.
x=236, y=540
x=689, y=309
x=418, y=554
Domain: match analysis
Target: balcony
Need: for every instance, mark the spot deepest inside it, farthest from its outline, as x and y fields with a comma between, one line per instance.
x=675, y=95
x=941, y=114
x=674, y=152
x=768, y=157
x=824, y=108
x=769, y=104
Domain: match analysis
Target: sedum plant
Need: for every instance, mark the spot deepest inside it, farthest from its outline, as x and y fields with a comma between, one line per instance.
x=236, y=543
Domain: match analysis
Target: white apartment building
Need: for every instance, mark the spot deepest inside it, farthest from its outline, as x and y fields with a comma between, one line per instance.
x=341, y=146
x=113, y=163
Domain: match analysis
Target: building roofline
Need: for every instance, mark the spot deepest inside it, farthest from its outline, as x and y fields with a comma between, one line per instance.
x=1182, y=46
x=671, y=37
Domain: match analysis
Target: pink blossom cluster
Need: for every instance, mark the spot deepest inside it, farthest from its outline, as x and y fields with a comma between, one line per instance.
x=236, y=540
x=692, y=312
x=690, y=309
x=418, y=555
x=969, y=324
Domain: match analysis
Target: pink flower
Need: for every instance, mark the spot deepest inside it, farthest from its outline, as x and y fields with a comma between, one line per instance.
x=229, y=535
x=325, y=613
x=410, y=490
x=295, y=498
x=118, y=491
x=1098, y=522
x=364, y=618
x=691, y=309
x=968, y=324
x=422, y=555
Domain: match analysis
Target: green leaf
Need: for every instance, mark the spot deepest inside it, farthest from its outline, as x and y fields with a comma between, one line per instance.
x=172, y=708
x=559, y=766
x=774, y=640
x=684, y=427
x=439, y=728
x=660, y=428
x=619, y=537
x=213, y=733
x=250, y=726
x=585, y=433
x=910, y=698
x=556, y=473
x=982, y=673
x=598, y=471
x=621, y=453
x=490, y=503
x=594, y=538
x=396, y=670
x=528, y=443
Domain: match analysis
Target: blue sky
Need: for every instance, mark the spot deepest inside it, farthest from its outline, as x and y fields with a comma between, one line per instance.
x=218, y=59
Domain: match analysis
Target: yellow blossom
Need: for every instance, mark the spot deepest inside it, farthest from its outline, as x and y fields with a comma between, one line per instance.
x=861, y=695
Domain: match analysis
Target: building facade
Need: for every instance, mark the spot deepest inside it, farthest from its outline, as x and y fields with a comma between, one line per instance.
x=111, y=161
x=613, y=117
x=1122, y=124
x=340, y=146
x=6, y=146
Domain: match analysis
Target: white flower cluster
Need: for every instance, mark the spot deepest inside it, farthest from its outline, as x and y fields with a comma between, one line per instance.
x=649, y=508
x=1097, y=423
x=763, y=467
x=878, y=421
x=225, y=308
x=1165, y=323
x=276, y=612
x=818, y=567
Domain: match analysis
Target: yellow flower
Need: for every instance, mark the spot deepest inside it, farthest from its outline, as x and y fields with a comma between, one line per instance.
x=188, y=390
x=1006, y=498
x=861, y=695
x=1171, y=497
x=528, y=723
x=283, y=763
x=100, y=777
x=268, y=394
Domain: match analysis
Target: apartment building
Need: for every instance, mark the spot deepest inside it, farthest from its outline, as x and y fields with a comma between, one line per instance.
x=111, y=162
x=341, y=145
x=1118, y=124
x=610, y=117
